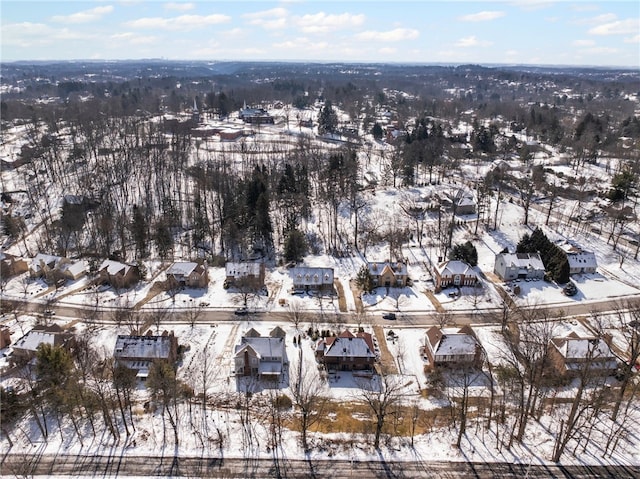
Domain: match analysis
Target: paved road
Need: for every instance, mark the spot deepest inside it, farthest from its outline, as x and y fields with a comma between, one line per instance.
x=414, y=318
x=21, y=465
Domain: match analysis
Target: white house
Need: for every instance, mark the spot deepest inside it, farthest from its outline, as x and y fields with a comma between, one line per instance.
x=580, y=260
x=311, y=278
x=509, y=266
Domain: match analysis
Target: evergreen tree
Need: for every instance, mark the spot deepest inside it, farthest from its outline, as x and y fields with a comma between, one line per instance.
x=376, y=131
x=465, y=252
x=328, y=119
x=295, y=246
x=364, y=279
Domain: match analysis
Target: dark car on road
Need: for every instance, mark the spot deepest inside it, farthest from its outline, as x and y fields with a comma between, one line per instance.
x=241, y=312
x=389, y=316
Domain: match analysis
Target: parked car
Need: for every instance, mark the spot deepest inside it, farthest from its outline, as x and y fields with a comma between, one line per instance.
x=241, y=311
x=570, y=289
x=389, y=316
x=49, y=312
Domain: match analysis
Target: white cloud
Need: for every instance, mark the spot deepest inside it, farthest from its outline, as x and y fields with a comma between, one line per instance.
x=274, y=19
x=134, y=39
x=482, y=16
x=183, y=22
x=630, y=26
x=387, y=51
x=25, y=34
x=635, y=39
x=530, y=5
x=604, y=18
x=600, y=51
x=323, y=23
x=583, y=43
x=85, y=16
x=302, y=44
x=180, y=6
x=471, y=41
x=273, y=13
x=396, y=35
x=234, y=32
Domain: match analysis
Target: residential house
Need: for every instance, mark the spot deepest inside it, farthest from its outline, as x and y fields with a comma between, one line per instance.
x=262, y=357
x=570, y=354
x=73, y=270
x=309, y=278
x=347, y=352
x=453, y=347
x=580, y=260
x=245, y=274
x=118, y=275
x=44, y=265
x=388, y=274
x=455, y=273
x=510, y=266
x=189, y=274
x=27, y=345
x=11, y=265
x=139, y=352
x=465, y=205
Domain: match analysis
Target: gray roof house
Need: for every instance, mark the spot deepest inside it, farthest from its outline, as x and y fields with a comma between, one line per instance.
x=263, y=357
x=311, y=278
x=509, y=266
x=138, y=352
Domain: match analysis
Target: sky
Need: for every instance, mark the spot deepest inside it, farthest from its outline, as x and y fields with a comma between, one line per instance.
x=538, y=32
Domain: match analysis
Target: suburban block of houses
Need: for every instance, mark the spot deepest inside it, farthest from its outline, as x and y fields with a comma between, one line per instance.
x=455, y=273
x=570, y=354
x=388, y=274
x=138, y=352
x=347, y=352
x=261, y=357
x=510, y=266
x=453, y=347
x=308, y=278
x=189, y=274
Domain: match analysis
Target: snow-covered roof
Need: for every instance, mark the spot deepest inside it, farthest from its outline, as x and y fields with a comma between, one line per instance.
x=397, y=268
x=182, y=268
x=114, y=267
x=578, y=257
x=348, y=345
x=76, y=268
x=310, y=275
x=36, y=337
x=42, y=258
x=244, y=268
x=264, y=347
x=523, y=260
x=453, y=267
x=150, y=347
x=451, y=341
x=575, y=347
